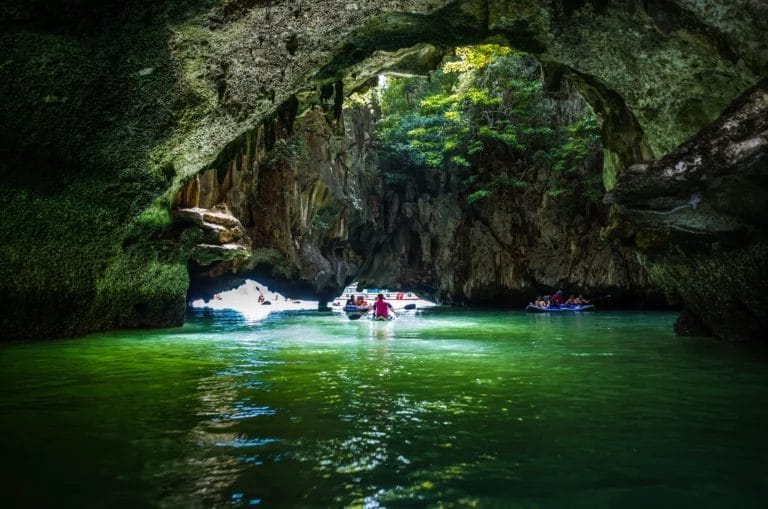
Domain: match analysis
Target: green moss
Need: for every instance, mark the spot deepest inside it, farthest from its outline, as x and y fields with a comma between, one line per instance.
x=155, y=217
x=88, y=106
x=141, y=288
x=274, y=260
x=725, y=289
x=52, y=252
x=205, y=255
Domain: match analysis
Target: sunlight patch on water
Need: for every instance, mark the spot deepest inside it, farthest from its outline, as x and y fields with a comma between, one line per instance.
x=247, y=412
x=241, y=442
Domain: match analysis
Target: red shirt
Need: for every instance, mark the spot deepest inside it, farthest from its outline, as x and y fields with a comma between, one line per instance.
x=380, y=308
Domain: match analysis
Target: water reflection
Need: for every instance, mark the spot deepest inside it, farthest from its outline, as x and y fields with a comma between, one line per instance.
x=443, y=409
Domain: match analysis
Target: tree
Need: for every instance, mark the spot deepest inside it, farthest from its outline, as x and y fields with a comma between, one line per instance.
x=485, y=100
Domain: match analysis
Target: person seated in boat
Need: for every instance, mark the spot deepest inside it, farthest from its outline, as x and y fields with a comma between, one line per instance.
x=539, y=302
x=580, y=301
x=361, y=303
x=350, y=301
x=557, y=298
x=571, y=300
x=381, y=308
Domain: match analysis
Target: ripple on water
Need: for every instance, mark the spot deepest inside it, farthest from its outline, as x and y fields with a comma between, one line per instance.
x=449, y=408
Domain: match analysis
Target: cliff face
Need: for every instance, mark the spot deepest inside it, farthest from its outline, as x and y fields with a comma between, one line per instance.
x=517, y=242
x=113, y=107
x=501, y=252
x=699, y=217
x=298, y=186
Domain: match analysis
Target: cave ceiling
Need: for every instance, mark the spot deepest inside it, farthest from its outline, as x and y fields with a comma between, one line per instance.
x=673, y=66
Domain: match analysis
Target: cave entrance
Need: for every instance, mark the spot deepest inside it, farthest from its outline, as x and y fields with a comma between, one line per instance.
x=253, y=300
x=485, y=120
x=474, y=178
x=492, y=180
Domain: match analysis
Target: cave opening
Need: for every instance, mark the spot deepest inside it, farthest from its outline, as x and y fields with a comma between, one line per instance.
x=253, y=300
x=478, y=153
x=475, y=178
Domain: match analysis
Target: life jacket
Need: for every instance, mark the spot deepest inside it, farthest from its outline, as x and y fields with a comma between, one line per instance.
x=380, y=308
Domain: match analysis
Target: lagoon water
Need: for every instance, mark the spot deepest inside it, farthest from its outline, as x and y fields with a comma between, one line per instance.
x=442, y=408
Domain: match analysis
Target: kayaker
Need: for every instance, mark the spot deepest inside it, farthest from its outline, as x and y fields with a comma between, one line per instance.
x=381, y=308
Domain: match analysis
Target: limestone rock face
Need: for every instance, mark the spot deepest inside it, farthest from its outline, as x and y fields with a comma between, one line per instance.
x=330, y=218
x=699, y=216
x=507, y=248
x=659, y=70
x=298, y=195
x=217, y=235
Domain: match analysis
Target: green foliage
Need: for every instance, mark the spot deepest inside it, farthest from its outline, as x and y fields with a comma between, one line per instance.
x=448, y=120
x=571, y=182
x=156, y=217
x=484, y=105
x=478, y=195
x=471, y=58
x=498, y=182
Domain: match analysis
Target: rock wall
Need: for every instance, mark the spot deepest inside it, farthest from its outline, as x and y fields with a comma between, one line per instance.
x=699, y=217
x=298, y=186
x=507, y=248
x=328, y=218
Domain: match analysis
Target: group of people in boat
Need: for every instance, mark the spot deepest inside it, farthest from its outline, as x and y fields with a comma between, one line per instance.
x=557, y=299
x=381, y=307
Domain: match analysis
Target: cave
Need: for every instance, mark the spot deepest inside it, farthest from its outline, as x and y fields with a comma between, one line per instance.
x=480, y=154
x=107, y=144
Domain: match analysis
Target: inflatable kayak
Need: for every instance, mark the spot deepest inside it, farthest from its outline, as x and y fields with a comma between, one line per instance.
x=354, y=312
x=559, y=309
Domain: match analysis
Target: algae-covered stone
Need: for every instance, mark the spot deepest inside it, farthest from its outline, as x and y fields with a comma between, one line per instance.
x=704, y=209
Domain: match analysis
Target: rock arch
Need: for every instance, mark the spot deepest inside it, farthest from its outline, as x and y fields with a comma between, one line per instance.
x=100, y=141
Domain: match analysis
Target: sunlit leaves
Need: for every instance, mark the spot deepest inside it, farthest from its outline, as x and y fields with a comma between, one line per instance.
x=481, y=98
x=438, y=102
x=472, y=58
x=460, y=161
x=484, y=105
x=478, y=195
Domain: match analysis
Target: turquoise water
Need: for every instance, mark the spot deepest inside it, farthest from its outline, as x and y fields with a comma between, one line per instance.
x=445, y=408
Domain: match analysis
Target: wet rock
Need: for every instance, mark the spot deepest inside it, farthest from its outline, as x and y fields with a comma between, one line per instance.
x=700, y=217
x=217, y=236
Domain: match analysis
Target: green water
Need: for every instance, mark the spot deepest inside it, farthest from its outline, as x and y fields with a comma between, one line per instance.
x=445, y=408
